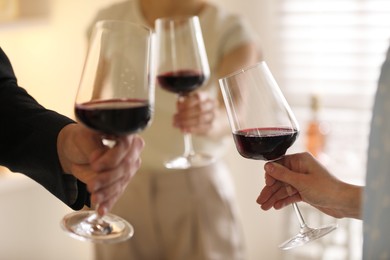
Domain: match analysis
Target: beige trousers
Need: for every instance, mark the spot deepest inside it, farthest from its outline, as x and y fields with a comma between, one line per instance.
x=179, y=215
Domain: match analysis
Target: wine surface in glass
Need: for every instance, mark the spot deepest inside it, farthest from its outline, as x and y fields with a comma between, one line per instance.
x=264, y=143
x=115, y=116
x=182, y=81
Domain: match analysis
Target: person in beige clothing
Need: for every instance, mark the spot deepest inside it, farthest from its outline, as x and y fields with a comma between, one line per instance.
x=185, y=214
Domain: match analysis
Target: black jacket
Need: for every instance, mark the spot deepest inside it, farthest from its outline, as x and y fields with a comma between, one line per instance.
x=28, y=138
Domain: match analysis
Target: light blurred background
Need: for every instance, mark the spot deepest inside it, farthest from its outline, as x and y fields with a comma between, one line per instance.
x=330, y=48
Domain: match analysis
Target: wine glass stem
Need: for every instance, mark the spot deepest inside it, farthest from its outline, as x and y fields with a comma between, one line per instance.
x=302, y=223
x=97, y=225
x=188, y=146
x=96, y=217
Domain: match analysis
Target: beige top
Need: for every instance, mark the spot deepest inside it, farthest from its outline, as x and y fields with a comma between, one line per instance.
x=222, y=32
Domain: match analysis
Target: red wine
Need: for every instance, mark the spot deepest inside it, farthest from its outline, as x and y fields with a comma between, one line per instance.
x=116, y=116
x=181, y=81
x=264, y=143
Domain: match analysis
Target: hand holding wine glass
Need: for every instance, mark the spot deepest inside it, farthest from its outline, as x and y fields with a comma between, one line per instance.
x=115, y=98
x=309, y=181
x=182, y=67
x=105, y=172
x=196, y=113
x=264, y=127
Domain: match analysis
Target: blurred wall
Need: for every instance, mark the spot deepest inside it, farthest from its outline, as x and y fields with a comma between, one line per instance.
x=47, y=52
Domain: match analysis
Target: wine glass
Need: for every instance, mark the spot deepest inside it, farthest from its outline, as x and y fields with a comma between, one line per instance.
x=182, y=67
x=264, y=127
x=115, y=98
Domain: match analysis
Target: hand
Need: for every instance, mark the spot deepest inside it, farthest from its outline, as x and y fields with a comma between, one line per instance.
x=300, y=177
x=106, y=172
x=196, y=113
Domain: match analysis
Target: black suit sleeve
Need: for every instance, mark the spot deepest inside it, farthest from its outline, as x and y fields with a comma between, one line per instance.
x=28, y=139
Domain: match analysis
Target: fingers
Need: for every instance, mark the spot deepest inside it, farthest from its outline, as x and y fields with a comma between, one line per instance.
x=105, y=171
x=287, y=185
x=276, y=171
x=278, y=191
x=126, y=148
x=108, y=194
x=269, y=180
x=290, y=190
x=267, y=193
x=195, y=113
x=109, y=174
x=287, y=201
x=277, y=196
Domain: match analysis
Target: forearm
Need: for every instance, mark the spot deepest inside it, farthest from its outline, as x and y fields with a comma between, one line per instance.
x=352, y=198
x=240, y=57
x=341, y=200
x=28, y=138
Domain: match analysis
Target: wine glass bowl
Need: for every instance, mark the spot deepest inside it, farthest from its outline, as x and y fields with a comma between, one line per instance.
x=264, y=143
x=264, y=127
x=115, y=117
x=182, y=67
x=181, y=82
x=115, y=98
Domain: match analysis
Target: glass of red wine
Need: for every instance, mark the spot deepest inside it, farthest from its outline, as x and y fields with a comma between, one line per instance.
x=264, y=127
x=115, y=98
x=182, y=67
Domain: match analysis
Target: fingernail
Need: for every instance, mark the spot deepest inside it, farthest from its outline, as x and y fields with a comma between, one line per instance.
x=97, y=185
x=269, y=167
x=98, y=198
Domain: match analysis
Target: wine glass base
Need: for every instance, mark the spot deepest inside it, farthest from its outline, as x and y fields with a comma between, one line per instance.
x=191, y=161
x=307, y=235
x=109, y=229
